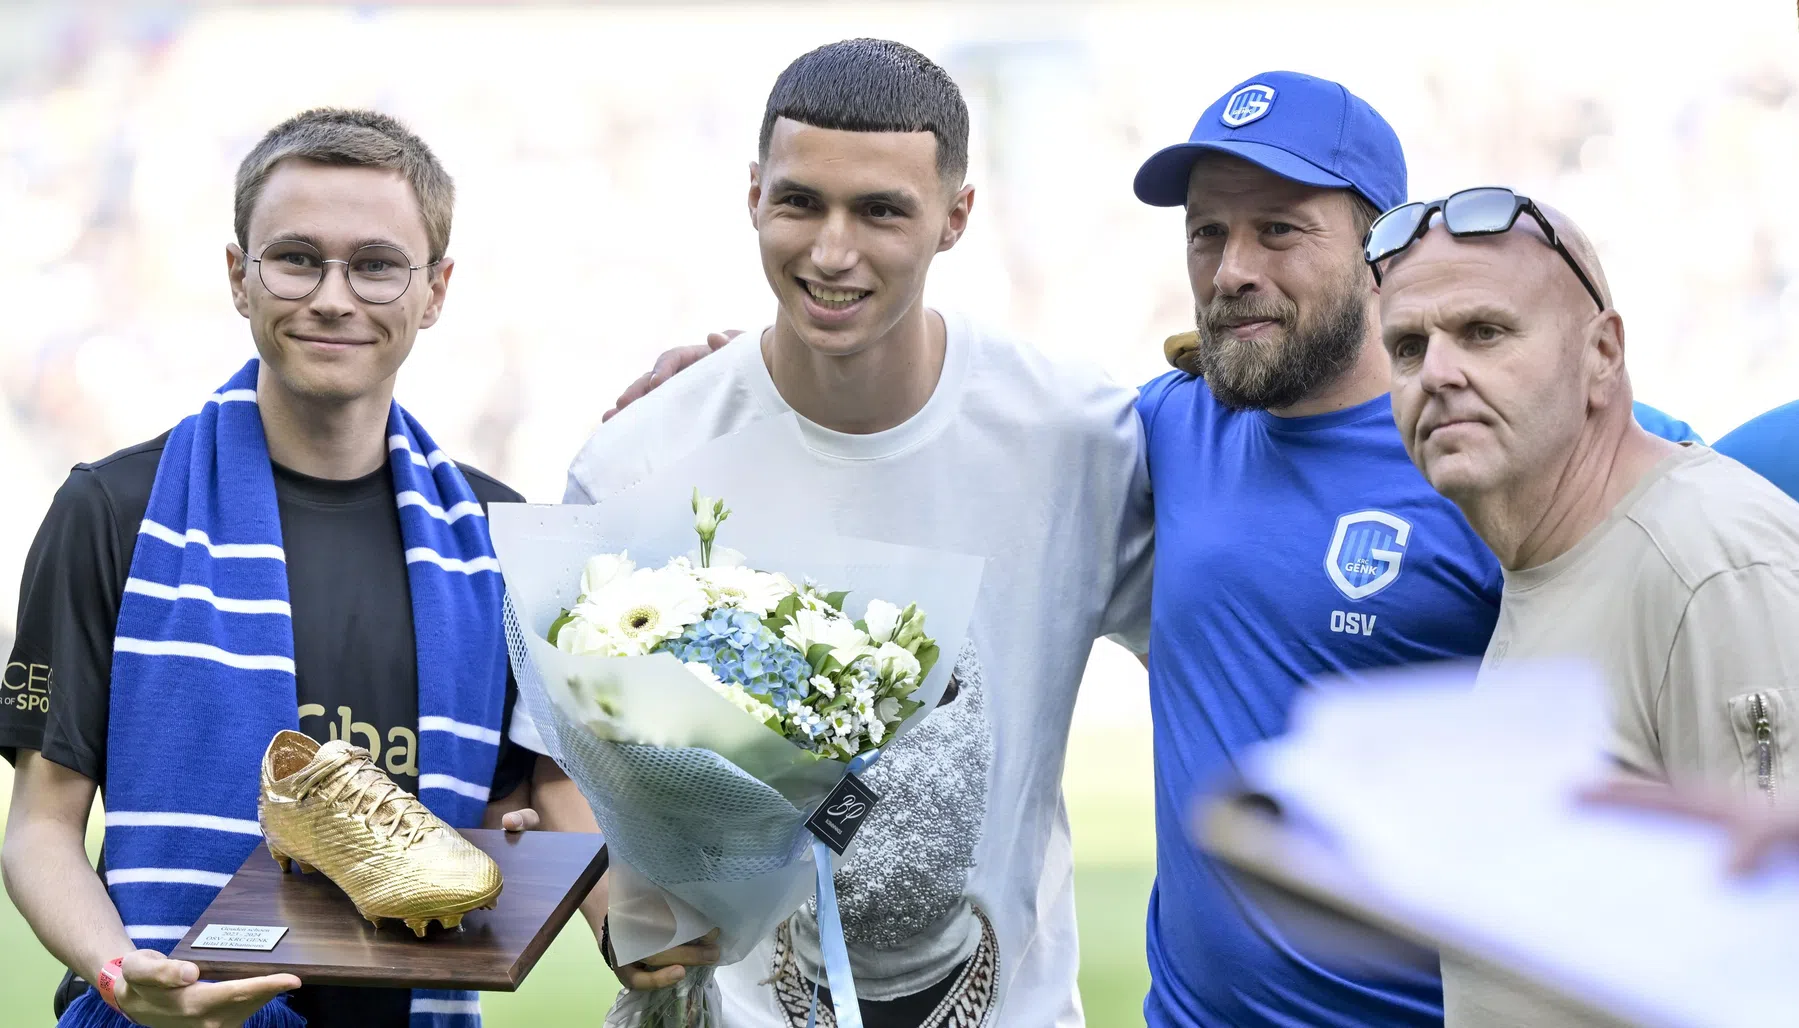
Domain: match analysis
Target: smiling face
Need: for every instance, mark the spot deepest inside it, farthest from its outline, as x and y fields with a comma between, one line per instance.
x=848, y=224
x=332, y=346
x=1498, y=356
x=1279, y=288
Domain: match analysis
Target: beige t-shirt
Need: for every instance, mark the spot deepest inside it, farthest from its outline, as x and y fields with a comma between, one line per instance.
x=1687, y=597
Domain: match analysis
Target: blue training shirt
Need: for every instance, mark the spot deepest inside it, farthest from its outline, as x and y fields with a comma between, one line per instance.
x=1286, y=549
x=1665, y=426
x=1769, y=444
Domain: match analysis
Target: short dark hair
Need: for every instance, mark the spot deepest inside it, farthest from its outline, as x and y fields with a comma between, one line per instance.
x=873, y=85
x=353, y=138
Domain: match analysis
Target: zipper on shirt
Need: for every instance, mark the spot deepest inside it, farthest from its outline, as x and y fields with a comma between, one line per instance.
x=1764, y=744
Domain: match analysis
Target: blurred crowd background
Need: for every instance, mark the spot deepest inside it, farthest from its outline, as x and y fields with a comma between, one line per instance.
x=600, y=155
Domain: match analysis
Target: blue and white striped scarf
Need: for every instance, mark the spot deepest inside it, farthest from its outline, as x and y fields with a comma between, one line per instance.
x=203, y=673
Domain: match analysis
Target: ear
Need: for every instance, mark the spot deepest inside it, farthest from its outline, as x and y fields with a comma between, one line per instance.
x=957, y=221
x=1605, y=351
x=237, y=265
x=755, y=191
x=440, y=287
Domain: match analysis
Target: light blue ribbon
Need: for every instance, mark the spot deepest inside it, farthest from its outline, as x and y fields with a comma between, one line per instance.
x=830, y=931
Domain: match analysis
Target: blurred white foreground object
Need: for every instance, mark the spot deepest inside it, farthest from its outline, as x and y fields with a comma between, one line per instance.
x=1449, y=816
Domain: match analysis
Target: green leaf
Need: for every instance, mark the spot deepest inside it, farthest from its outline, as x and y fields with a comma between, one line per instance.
x=556, y=625
x=908, y=707
x=782, y=614
x=836, y=599
x=927, y=659
x=816, y=655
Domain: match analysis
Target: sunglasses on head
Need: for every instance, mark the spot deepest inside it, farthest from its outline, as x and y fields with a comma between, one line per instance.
x=1484, y=211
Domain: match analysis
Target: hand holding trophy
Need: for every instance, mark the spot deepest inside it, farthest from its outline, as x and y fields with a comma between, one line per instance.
x=384, y=855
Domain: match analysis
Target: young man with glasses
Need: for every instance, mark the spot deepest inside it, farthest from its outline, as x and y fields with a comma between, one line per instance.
x=296, y=555
x=1674, y=569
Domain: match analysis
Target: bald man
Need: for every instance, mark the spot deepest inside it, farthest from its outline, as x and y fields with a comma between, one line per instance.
x=1674, y=568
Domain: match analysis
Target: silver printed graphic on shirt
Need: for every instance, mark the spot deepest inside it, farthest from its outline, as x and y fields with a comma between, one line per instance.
x=918, y=844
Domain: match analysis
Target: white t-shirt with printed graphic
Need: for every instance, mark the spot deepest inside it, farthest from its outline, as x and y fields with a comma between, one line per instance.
x=1035, y=464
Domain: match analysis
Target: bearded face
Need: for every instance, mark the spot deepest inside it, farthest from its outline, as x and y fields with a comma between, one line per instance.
x=1260, y=352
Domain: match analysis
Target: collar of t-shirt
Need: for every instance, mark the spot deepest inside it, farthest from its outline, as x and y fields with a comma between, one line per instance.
x=930, y=419
x=1531, y=578
x=1380, y=406
x=333, y=492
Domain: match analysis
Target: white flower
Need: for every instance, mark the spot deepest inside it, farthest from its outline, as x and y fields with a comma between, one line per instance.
x=602, y=569
x=581, y=637
x=876, y=732
x=813, y=600
x=646, y=607
x=725, y=557
x=825, y=686
x=882, y=619
x=862, y=702
x=707, y=513
x=810, y=628
x=843, y=724
x=887, y=711
x=597, y=637
x=804, y=718
x=898, y=665
x=756, y=591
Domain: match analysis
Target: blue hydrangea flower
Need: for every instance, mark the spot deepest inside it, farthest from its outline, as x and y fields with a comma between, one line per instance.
x=739, y=648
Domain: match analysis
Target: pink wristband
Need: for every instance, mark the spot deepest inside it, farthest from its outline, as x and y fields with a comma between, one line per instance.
x=108, y=977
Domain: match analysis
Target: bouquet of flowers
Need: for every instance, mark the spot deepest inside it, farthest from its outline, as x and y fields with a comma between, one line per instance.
x=785, y=654
x=705, y=706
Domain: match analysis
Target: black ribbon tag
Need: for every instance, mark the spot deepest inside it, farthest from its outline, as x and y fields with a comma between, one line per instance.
x=842, y=813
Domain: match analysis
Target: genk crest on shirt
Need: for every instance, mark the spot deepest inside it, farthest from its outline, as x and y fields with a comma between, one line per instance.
x=1247, y=104
x=1366, y=551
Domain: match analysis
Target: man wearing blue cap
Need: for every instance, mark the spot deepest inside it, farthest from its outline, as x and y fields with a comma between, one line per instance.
x=1310, y=546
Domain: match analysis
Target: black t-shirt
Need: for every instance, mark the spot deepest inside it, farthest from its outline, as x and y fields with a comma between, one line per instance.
x=355, y=655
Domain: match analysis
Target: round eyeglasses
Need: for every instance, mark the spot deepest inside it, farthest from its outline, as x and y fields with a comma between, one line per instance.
x=293, y=270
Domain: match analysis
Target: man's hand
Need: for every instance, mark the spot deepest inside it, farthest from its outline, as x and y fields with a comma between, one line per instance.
x=671, y=363
x=1757, y=830
x=667, y=968
x=161, y=993
x=523, y=820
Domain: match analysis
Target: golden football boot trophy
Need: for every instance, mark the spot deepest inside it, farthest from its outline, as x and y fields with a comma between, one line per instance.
x=330, y=808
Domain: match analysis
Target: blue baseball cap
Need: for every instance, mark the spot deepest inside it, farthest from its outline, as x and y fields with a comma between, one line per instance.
x=1300, y=127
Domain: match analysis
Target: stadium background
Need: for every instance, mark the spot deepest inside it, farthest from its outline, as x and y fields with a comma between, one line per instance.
x=600, y=157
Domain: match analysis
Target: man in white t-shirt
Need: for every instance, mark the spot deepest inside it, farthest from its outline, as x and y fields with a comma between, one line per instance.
x=925, y=430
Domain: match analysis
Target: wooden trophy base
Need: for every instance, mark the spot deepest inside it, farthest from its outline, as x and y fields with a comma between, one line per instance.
x=546, y=875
